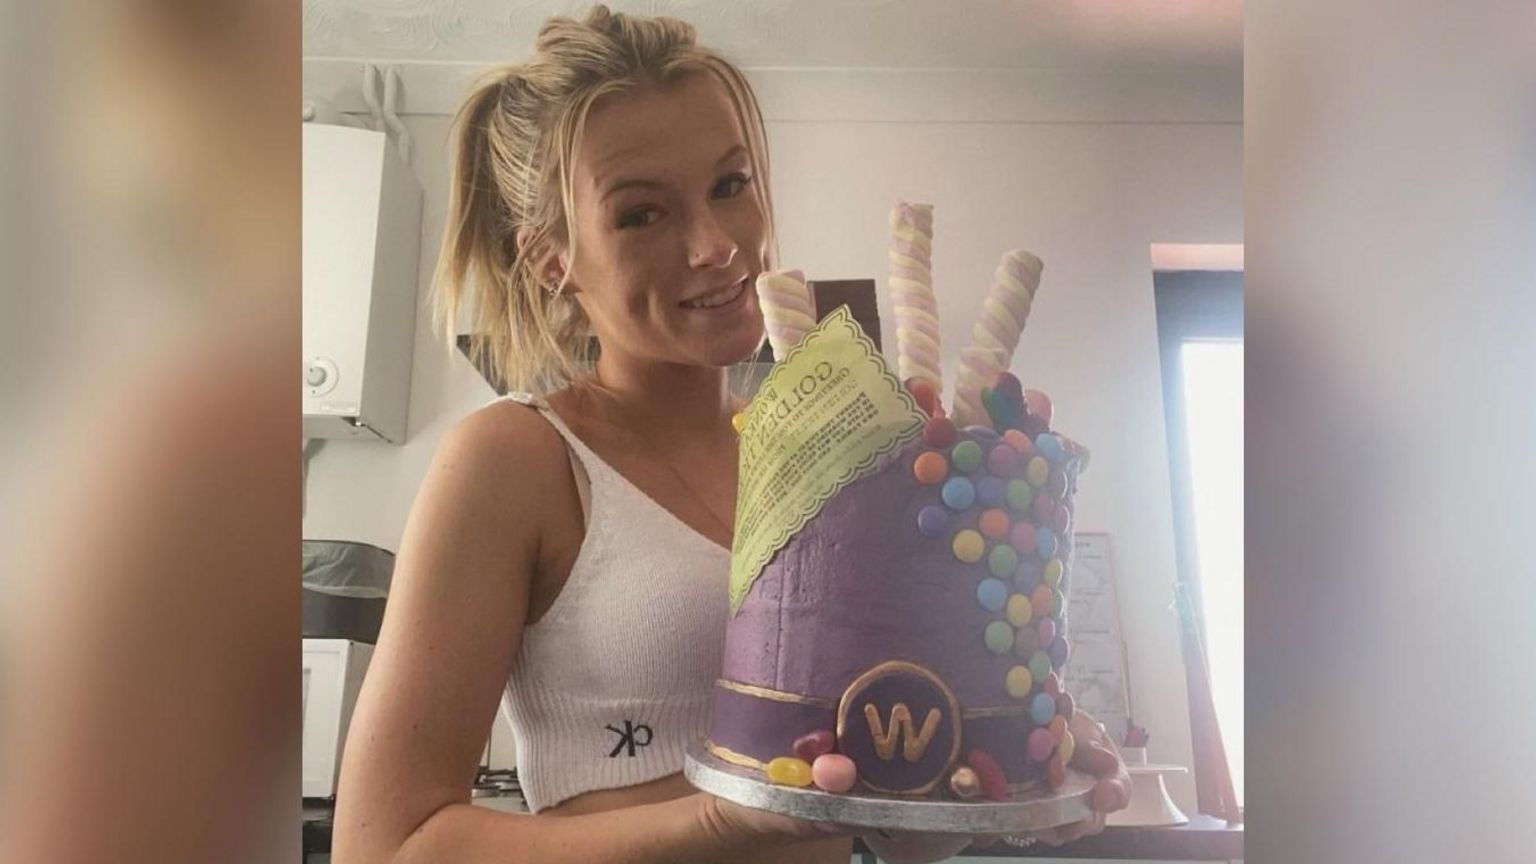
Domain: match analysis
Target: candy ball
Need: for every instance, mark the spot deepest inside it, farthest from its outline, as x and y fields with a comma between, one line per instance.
x=965, y=782
x=1066, y=706
x=834, y=772
x=1046, y=630
x=1037, y=472
x=958, y=493
x=969, y=547
x=930, y=468
x=1019, y=612
x=933, y=521
x=1052, y=684
x=1042, y=507
x=992, y=491
x=1040, y=598
x=1022, y=537
x=1058, y=724
x=1061, y=518
x=1002, y=561
x=992, y=594
x=924, y=394
x=813, y=744
x=1066, y=747
x=1039, y=745
x=1028, y=575
x=1042, y=708
x=1052, y=572
x=966, y=456
x=939, y=432
x=1049, y=446
x=1039, y=404
x=1025, y=643
x=984, y=435
x=994, y=784
x=1058, y=651
x=1020, y=443
x=1002, y=460
x=999, y=637
x=1019, y=681
x=1019, y=494
x=994, y=523
x=1056, y=774
x=789, y=771
x=1039, y=665
x=1045, y=538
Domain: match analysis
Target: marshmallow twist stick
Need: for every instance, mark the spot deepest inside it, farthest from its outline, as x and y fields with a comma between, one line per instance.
x=788, y=313
x=996, y=333
x=911, y=283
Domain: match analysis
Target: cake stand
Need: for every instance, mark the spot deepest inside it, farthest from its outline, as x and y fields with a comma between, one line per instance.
x=1150, y=803
x=1029, y=812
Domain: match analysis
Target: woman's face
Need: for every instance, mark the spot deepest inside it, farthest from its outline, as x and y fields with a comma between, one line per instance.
x=670, y=232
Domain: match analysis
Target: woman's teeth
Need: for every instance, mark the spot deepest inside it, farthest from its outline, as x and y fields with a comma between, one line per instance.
x=719, y=298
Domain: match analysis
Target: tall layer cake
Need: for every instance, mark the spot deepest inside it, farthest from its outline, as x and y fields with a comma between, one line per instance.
x=909, y=637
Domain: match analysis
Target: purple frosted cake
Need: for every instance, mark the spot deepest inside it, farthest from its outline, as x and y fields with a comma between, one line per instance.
x=909, y=639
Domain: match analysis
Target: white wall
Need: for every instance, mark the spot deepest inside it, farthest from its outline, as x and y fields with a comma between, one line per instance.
x=1085, y=172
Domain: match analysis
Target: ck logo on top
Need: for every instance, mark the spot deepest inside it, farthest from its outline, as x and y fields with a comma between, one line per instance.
x=631, y=736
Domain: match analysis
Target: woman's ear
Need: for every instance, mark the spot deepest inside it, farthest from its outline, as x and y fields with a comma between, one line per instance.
x=550, y=264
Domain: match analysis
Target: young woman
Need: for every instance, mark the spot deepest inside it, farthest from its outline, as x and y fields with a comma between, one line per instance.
x=570, y=553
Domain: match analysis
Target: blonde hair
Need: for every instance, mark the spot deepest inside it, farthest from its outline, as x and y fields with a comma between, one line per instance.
x=510, y=200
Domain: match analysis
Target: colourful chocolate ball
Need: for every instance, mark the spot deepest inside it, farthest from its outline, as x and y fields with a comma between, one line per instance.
x=1002, y=561
x=1025, y=643
x=1020, y=610
x=1046, y=630
x=1039, y=746
x=958, y=493
x=965, y=782
x=966, y=456
x=1052, y=571
x=1022, y=536
x=939, y=432
x=999, y=637
x=1002, y=460
x=1058, y=724
x=1028, y=575
x=930, y=468
x=992, y=594
x=984, y=435
x=992, y=491
x=1049, y=446
x=933, y=521
x=1037, y=472
x=924, y=393
x=1058, y=652
x=1066, y=706
x=1042, y=708
x=789, y=771
x=1066, y=747
x=1045, y=538
x=1052, y=684
x=814, y=744
x=1039, y=665
x=1040, y=598
x=994, y=523
x=1042, y=507
x=834, y=772
x=969, y=546
x=1039, y=405
x=1019, y=442
x=1019, y=681
x=1019, y=494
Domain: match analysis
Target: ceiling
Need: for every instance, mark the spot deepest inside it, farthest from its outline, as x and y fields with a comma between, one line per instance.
x=916, y=34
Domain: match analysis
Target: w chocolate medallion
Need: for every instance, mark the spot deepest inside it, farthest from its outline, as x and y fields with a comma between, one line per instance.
x=900, y=725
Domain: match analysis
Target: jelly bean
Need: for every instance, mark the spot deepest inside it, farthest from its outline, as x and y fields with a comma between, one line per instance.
x=813, y=744
x=1059, y=652
x=939, y=432
x=1002, y=561
x=1045, y=539
x=1019, y=494
x=984, y=435
x=1058, y=602
x=1022, y=537
x=1042, y=507
x=834, y=772
x=1008, y=384
x=994, y=523
x=1002, y=460
x=1052, y=572
x=1020, y=443
x=966, y=456
x=1056, y=774
x=1025, y=643
x=958, y=493
x=1052, y=684
x=1019, y=612
x=924, y=394
x=1019, y=681
x=1039, y=665
x=1046, y=631
x=1042, y=708
x=965, y=782
x=1049, y=446
x=933, y=521
x=969, y=546
x=992, y=491
x=930, y=468
x=1061, y=518
x=789, y=771
x=999, y=637
x=1032, y=426
x=1039, y=745
x=1066, y=706
x=994, y=785
x=1040, y=598
x=1058, y=724
x=1028, y=575
x=992, y=594
x=1067, y=747
x=1056, y=484
x=1037, y=472
x=739, y=421
x=1039, y=405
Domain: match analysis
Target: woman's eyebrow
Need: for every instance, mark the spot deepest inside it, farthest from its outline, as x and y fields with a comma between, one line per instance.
x=739, y=148
x=629, y=183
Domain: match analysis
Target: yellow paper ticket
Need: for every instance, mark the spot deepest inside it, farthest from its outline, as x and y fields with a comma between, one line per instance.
x=822, y=419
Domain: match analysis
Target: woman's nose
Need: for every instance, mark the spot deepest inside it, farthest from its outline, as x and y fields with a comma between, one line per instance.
x=709, y=246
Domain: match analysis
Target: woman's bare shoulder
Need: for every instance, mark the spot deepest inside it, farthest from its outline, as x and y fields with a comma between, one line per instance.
x=507, y=440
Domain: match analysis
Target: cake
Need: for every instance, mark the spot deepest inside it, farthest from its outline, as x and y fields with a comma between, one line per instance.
x=901, y=631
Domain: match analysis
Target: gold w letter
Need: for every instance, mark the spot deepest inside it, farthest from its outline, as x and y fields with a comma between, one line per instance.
x=913, y=746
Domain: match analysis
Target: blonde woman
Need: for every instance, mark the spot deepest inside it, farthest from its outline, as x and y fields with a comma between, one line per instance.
x=568, y=554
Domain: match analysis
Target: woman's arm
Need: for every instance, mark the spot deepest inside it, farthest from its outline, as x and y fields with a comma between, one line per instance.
x=458, y=603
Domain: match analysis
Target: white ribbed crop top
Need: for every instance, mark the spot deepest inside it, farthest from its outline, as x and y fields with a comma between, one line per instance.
x=614, y=681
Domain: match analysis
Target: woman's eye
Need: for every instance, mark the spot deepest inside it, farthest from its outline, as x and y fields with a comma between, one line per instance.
x=639, y=217
x=731, y=185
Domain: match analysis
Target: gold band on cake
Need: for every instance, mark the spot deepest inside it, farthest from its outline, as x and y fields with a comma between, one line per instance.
x=728, y=755
x=776, y=695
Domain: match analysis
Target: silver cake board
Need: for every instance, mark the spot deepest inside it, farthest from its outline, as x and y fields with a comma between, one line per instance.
x=1028, y=812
